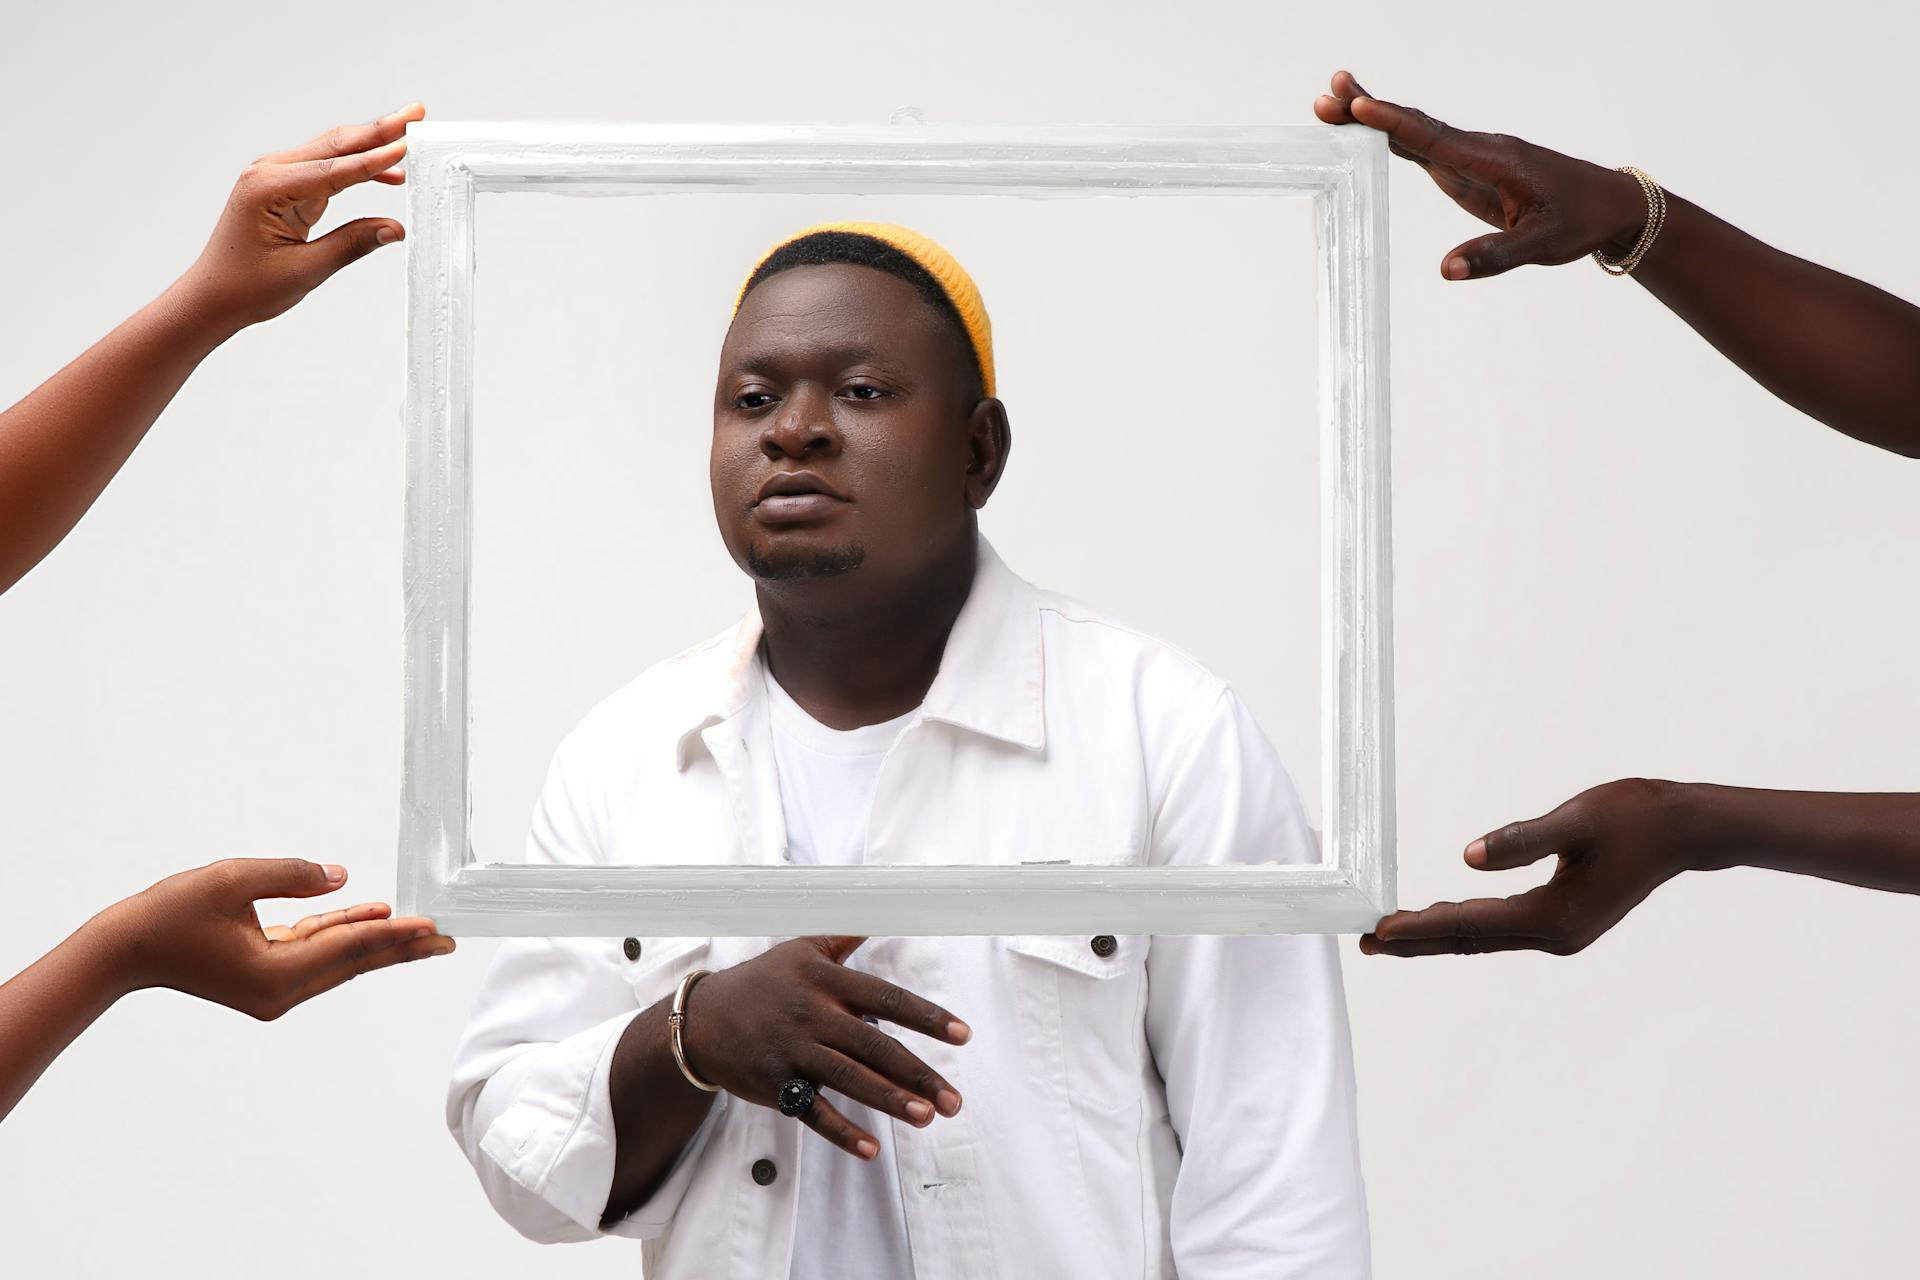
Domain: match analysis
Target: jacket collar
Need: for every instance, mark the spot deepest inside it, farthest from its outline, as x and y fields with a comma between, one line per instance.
x=991, y=679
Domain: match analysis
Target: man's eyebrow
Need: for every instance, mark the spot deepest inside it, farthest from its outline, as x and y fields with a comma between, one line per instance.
x=774, y=358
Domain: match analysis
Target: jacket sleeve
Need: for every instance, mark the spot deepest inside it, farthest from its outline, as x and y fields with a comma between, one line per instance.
x=1250, y=1034
x=529, y=1100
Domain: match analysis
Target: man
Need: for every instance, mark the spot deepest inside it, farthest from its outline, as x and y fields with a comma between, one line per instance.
x=1121, y=1106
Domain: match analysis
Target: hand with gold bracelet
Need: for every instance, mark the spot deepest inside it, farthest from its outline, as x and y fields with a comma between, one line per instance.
x=1837, y=349
x=794, y=1013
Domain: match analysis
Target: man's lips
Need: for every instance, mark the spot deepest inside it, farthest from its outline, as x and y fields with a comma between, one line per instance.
x=794, y=497
x=783, y=484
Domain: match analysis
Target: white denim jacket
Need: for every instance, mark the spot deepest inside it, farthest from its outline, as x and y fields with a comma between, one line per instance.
x=1140, y=1107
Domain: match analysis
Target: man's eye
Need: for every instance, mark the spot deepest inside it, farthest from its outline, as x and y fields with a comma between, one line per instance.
x=751, y=400
x=860, y=391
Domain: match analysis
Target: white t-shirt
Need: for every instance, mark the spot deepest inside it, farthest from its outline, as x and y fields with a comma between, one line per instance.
x=851, y=1222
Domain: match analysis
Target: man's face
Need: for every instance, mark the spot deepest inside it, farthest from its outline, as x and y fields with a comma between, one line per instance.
x=840, y=428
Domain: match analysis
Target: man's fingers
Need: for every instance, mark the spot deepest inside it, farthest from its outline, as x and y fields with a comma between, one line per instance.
x=1497, y=253
x=250, y=879
x=824, y=1120
x=1334, y=107
x=1539, y=913
x=867, y=1044
x=354, y=240
x=348, y=944
x=1413, y=132
x=1346, y=88
x=347, y=139
x=865, y=993
x=1451, y=946
x=837, y=949
x=310, y=925
x=1332, y=110
x=1520, y=844
x=830, y=1069
x=330, y=175
x=325, y=978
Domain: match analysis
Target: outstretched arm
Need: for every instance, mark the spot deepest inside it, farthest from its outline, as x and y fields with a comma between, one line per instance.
x=1833, y=347
x=197, y=932
x=61, y=445
x=1618, y=843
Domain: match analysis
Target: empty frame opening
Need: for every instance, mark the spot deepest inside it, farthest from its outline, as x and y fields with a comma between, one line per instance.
x=1158, y=358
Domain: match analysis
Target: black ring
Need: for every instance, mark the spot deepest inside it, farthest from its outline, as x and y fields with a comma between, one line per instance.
x=796, y=1098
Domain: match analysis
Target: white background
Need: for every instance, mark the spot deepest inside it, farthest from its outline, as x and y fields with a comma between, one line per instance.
x=1614, y=556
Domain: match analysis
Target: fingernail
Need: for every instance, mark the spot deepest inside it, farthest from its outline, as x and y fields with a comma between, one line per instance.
x=1476, y=854
x=1367, y=946
x=920, y=1111
x=959, y=1032
x=335, y=874
x=867, y=1148
x=948, y=1101
x=444, y=947
x=422, y=932
x=386, y=235
x=1457, y=268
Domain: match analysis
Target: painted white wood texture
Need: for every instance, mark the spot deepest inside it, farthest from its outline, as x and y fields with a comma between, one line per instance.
x=1342, y=171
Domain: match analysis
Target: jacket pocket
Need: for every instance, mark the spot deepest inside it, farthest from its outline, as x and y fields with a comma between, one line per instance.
x=1083, y=1010
x=1103, y=956
x=1082, y=1016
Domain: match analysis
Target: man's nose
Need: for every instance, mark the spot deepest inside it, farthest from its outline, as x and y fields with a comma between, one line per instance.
x=803, y=427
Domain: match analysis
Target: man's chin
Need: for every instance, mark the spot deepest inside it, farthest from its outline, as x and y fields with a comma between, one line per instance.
x=789, y=563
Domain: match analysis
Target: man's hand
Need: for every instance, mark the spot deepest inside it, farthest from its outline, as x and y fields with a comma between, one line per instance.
x=259, y=261
x=798, y=1011
x=198, y=932
x=1616, y=843
x=1550, y=208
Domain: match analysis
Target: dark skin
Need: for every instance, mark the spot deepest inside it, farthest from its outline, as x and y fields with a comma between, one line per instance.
x=844, y=390
x=197, y=932
x=1835, y=348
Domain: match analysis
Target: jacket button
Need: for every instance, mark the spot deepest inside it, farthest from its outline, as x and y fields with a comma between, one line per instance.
x=764, y=1172
x=1103, y=945
x=632, y=947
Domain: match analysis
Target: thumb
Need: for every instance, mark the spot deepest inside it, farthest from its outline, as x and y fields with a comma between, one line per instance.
x=837, y=949
x=1496, y=254
x=1519, y=844
x=352, y=241
x=256, y=878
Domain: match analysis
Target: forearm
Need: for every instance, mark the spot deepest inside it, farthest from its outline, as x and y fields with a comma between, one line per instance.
x=1867, y=838
x=1836, y=348
x=61, y=445
x=45, y=1008
x=655, y=1111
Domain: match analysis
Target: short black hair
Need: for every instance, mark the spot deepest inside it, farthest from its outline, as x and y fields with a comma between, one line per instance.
x=828, y=248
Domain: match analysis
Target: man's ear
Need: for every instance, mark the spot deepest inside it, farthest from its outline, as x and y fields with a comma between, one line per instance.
x=989, y=440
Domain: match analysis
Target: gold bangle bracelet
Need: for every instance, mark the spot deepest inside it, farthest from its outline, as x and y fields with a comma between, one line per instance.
x=1656, y=218
x=676, y=1023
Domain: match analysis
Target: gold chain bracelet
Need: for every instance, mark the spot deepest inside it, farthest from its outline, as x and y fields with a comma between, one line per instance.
x=1656, y=218
x=677, y=1021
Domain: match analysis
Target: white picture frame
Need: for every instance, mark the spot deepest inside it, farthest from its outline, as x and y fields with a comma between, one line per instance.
x=1343, y=170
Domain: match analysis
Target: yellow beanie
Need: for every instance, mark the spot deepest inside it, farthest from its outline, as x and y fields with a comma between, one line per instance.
x=935, y=261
